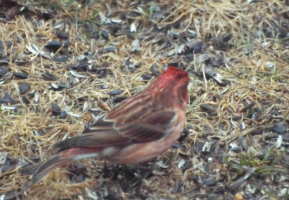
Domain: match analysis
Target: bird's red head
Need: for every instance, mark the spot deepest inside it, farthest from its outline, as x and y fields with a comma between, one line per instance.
x=173, y=76
x=174, y=73
x=173, y=81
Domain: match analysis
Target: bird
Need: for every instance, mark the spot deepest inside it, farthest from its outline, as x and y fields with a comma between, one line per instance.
x=138, y=129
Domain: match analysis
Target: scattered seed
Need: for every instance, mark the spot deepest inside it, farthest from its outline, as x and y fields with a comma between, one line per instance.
x=247, y=107
x=255, y=116
x=4, y=107
x=48, y=76
x=146, y=76
x=10, y=99
x=178, y=146
x=63, y=115
x=3, y=100
x=242, y=125
x=70, y=82
x=24, y=87
x=115, y=92
x=237, y=149
x=36, y=97
x=3, y=61
x=1, y=48
x=197, y=47
x=48, y=15
x=56, y=45
x=110, y=49
x=74, y=115
x=210, y=73
x=20, y=75
x=237, y=184
x=135, y=45
x=208, y=108
x=9, y=44
x=55, y=108
x=91, y=193
x=61, y=34
x=279, y=128
x=190, y=57
x=3, y=71
x=54, y=86
x=184, y=135
x=279, y=141
x=105, y=34
x=83, y=66
x=155, y=70
x=102, y=73
x=25, y=100
x=119, y=99
x=181, y=163
x=61, y=85
x=255, y=131
x=210, y=181
x=60, y=59
x=269, y=65
x=133, y=28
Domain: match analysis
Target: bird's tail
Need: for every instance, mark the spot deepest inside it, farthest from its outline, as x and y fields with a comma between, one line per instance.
x=41, y=169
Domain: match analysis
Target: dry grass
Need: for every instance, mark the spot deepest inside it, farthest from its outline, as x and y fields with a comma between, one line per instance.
x=229, y=150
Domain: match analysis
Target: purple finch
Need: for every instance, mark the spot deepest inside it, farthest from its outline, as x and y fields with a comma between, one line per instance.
x=140, y=128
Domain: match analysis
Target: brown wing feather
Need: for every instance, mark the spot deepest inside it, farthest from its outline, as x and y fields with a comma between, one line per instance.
x=153, y=127
x=100, y=134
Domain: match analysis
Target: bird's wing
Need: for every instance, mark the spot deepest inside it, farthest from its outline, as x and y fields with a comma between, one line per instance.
x=105, y=132
x=154, y=127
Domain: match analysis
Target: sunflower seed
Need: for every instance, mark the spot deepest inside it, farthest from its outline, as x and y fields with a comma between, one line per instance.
x=25, y=100
x=49, y=76
x=110, y=49
x=24, y=87
x=56, y=45
x=36, y=97
x=60, y=59
x=155, y=70
x=105, y=34
x=115, y=92
x=10, y=99
x=55, y=108
x=61, y=34
x=133, y=28
x=63, y=115
x=20, y=75
x=146, y=76
x=181, y=163
x=279, y=141
x=279, y=128
x=3, y=71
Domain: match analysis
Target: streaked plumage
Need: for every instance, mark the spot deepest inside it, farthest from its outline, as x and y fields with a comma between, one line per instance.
x=140, y=128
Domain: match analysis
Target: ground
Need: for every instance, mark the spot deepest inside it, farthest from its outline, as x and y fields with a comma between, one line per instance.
x=63, y=62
